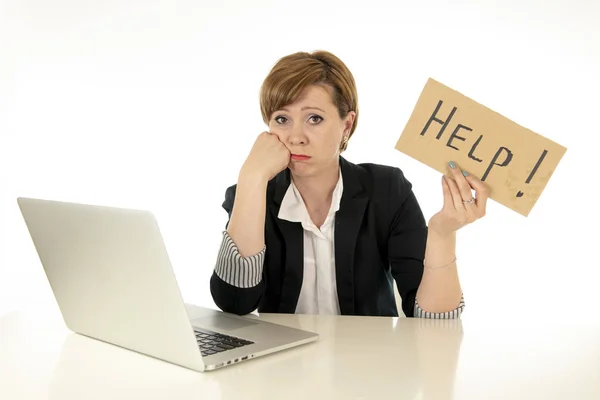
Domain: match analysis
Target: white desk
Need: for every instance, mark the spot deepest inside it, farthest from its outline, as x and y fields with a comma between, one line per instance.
x=365, y=358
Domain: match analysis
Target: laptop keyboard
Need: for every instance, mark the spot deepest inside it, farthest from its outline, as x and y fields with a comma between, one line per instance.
x=213, y=343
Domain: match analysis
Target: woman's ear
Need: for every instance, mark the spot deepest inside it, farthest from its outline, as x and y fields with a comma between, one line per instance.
x=349, y=122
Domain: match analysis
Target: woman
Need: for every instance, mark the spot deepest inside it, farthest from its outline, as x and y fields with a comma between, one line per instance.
x=310, y=232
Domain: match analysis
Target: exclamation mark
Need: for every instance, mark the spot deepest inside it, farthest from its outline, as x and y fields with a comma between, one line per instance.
x=533, y=171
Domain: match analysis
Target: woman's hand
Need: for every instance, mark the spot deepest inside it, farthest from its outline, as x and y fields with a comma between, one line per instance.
x=460, y=207
x=268, y=157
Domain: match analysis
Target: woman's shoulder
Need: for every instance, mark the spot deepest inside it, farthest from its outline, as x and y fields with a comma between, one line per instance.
x=385, y=186
x=379, y=178
x=380, y=170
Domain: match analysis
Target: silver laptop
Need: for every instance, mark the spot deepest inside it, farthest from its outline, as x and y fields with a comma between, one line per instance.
x=112, y=279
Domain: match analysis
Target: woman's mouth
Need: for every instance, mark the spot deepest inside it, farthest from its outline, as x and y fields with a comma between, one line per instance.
x=300, y=157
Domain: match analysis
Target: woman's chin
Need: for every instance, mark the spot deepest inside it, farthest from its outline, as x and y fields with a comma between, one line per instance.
x=301, y=169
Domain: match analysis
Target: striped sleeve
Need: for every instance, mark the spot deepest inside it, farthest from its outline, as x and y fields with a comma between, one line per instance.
x=238, y=271
x=420, y=313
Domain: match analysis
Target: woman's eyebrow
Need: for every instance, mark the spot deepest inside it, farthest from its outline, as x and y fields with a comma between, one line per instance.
x=303, y=108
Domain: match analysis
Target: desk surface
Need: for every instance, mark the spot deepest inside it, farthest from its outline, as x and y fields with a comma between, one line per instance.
x=356, y=357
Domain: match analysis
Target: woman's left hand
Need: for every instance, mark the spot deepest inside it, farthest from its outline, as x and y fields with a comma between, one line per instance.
x=460, y=207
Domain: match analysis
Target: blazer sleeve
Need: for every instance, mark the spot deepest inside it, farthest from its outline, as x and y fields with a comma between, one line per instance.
x=236, y=284
x=407, y=240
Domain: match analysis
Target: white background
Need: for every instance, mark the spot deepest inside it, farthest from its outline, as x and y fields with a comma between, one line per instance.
x=154, y=105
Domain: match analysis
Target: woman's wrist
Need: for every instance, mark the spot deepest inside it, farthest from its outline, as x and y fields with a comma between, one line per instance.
x=251, y=178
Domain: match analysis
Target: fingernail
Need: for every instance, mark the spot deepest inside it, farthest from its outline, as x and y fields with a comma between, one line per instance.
x=465, y=173
x=451, y=164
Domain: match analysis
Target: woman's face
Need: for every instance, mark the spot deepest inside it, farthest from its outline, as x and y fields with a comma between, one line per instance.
x=312, y=130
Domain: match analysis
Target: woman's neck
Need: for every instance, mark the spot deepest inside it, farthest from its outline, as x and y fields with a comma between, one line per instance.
x=318, y=189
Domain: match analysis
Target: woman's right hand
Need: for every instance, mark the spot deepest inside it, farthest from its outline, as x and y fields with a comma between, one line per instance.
x=267, y=158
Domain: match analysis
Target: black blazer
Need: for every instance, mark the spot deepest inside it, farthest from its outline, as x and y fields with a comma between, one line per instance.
x=380, y=236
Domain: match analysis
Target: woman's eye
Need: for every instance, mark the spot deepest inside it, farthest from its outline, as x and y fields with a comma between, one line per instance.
x=314, y=119
x=317, y=120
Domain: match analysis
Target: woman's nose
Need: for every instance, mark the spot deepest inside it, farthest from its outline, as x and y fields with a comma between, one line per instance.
x=296, y=135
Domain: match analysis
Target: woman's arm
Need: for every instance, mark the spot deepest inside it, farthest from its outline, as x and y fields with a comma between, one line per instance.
x=411, y=245
x=440, y=290
x=267, y=158
x=246, y=225
x=236, y=284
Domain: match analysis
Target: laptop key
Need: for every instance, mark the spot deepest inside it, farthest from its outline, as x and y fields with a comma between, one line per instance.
x=226, y=342
x=232, y=344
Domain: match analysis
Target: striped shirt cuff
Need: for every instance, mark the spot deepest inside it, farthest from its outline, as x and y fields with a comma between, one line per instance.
x=420, y=313
x=238, y=271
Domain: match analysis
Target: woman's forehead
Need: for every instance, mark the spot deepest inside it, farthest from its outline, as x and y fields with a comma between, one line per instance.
x=313, y=96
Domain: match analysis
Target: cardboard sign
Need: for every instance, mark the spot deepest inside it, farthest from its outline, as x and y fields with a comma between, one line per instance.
x=514, y=162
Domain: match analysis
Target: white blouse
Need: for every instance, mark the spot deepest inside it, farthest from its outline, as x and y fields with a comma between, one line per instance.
x=318, y=294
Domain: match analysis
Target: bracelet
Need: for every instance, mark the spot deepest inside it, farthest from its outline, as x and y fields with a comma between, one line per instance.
x=444, y=266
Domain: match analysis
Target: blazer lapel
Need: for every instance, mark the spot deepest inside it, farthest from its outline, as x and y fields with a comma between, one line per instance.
x=293, y=236
x=348, y=222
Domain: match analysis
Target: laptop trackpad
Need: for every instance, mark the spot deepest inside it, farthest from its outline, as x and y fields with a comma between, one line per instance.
x=222, y=322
